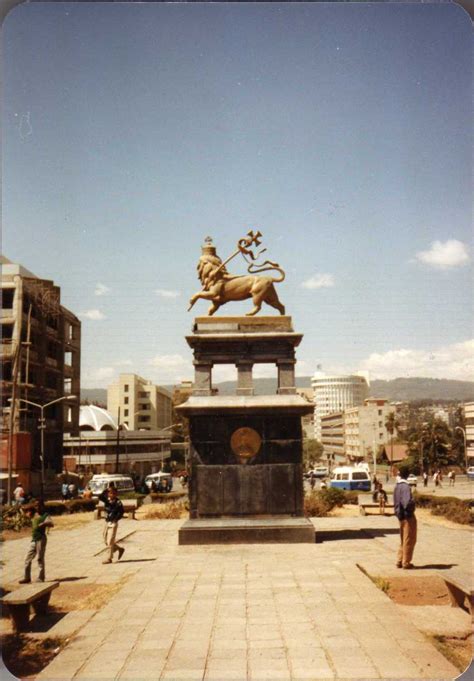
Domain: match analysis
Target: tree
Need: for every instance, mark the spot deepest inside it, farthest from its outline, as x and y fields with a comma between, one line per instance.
x=430, y=445
x=391, y=425
x=312, y=452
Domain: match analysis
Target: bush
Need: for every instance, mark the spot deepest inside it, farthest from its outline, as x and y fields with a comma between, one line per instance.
x=451, y=508
x=56, y=507
x=80, y=505
x=315, y=506
x=15, y=518
x=333, y=496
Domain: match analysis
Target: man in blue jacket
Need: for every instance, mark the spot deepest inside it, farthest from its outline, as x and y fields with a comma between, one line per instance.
x=404, y=506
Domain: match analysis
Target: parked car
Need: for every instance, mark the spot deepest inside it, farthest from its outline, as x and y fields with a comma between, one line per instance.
x=412, y=480
x=163, y=481
x=348, y=477
x=101, y=481
x=470, y=473
x=318, y=472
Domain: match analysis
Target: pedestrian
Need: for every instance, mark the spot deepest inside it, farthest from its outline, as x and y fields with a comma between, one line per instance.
x=113, y=513
x=382, y=498
x=436, y=478
x=312, y=480
x=72, y=490
x=440, y=477
x=19, y=495
x=40, y=521
x=404, y=506
x=65, y=491
x=425, y=479
x=87, y=494
x=453, y=478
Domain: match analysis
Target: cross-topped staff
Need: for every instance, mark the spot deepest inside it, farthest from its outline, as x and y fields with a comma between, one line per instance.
x=243, y=246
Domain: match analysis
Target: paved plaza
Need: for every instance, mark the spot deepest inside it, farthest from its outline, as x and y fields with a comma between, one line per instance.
x=277, y=611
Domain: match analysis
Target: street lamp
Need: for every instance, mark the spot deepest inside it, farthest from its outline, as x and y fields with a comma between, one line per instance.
x=42, y=427
x=465, y=443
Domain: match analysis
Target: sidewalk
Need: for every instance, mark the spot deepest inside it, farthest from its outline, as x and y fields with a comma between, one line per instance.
x=278, y=612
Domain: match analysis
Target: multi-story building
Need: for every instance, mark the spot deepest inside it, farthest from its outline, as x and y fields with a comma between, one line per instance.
x=335, y=394
x=40, y=357
x=332, y=438
x=143, y=405
x=99, y=448
x=468, y=409
x=365, y=430
x=307, y=422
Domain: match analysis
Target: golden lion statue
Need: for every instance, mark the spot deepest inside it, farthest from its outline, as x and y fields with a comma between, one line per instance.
x=220, y=287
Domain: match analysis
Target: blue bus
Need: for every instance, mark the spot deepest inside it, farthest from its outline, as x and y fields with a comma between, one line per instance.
x=349, y=477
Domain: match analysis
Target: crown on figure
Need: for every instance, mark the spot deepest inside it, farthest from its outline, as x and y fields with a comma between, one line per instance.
x=208, y=247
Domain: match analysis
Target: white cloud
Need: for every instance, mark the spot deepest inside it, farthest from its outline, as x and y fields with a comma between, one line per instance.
x=168, y=361
x=170, y=369
x=95, y=315
x=123, y=363
x=101, y=289
x=444, y=255
x=319, y=281
x=166, y=293
x=103, y=373
x=454, y=361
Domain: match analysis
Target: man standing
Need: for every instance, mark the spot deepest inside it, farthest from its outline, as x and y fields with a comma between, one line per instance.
x=404, y=506
x=113, y=513
x=40, y=520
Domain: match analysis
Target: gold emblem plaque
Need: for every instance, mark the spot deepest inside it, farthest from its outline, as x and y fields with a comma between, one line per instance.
x=245, y=443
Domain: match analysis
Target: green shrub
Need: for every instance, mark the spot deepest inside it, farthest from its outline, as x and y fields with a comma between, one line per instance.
x=80, y=505
x=315, y=506
x=55, y=507
x=15, y=518
x=351, y=497
x=333, y=496
x=451, y=508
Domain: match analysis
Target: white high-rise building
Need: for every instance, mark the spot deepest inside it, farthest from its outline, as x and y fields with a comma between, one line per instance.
x=336, y=393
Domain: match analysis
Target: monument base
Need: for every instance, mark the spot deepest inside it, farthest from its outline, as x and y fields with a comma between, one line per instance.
x=247, y=531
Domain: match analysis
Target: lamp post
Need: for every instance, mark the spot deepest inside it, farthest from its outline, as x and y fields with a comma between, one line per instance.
x=42, y=427
x=463, y=431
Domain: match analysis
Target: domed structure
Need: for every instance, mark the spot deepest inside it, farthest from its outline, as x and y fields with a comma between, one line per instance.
x=96, y=418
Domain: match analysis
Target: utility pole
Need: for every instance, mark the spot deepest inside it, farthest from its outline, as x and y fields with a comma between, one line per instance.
x=118, y=443
x=16, y=365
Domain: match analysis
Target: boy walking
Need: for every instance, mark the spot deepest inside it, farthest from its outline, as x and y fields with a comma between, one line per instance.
x=40, y=521
x=113, y=513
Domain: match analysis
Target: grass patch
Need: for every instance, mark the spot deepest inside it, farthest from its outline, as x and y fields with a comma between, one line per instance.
x=26, y=656
x=453, y=509
x=172, y=510
x=456, y=649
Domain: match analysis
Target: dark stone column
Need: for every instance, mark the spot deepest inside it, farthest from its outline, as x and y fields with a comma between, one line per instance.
x=202, y=378
x=244, y=377
x=286, y=376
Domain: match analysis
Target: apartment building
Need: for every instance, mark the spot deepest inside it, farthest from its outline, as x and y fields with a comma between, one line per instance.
x=468, y=409
x=143, y=405
x=40, y=356
x=364, y=428
x=334, y=394
x=307, y=422
x=332, y=438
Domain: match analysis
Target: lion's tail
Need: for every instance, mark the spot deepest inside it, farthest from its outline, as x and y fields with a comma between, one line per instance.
x=255, y=269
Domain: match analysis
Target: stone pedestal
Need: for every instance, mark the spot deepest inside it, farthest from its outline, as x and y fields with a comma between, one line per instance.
x=246, y=450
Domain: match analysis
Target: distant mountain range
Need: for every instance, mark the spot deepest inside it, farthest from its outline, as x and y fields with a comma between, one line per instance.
x=398, y=389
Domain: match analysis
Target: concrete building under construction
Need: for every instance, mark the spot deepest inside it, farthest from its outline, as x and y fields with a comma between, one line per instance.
x=40, y=359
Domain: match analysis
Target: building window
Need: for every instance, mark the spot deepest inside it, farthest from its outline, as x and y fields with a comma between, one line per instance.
x=125, y=400
x=380, y=412
x=125, y=388
x=125, y=412
x=380, y=424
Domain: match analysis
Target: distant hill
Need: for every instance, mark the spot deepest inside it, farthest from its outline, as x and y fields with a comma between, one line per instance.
x=94, y=396
x=398, y=389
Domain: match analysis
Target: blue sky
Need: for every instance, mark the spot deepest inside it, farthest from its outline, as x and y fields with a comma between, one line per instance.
x=341, y=131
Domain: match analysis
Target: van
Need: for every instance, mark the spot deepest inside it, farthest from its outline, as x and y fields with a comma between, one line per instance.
x=162, y=480
x=348, y=477
x=101, y=481
x=470, y=473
